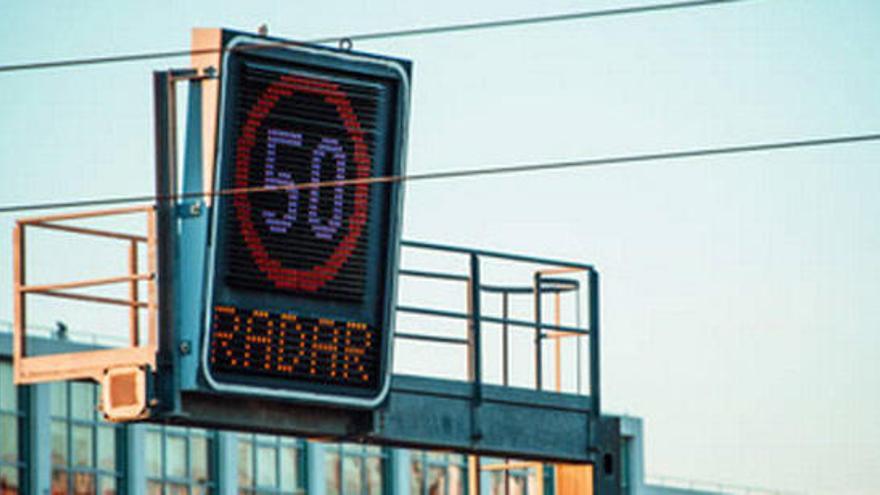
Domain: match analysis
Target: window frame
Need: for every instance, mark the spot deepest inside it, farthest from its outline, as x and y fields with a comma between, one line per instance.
x=361, y=452
x=428, y=460
x=20, y=413
x=523, y=474
x=165, y=480
x=95, y=425
x=277, y=443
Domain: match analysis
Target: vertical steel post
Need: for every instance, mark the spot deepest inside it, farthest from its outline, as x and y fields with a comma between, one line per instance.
x=474, y=336
x=166, y=180
x=595, y=382
x=557, y=338
x=505, y=338
x=476, y=344
x=578, y=339
x=539, y=334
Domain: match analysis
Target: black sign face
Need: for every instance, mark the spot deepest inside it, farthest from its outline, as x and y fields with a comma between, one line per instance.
x=305, y=259
x=300, y=130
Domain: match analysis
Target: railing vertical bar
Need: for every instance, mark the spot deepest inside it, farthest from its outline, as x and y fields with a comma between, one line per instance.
x=19, y=349
x=133, y=327
x=152, y=291
x=539, y=341
x=595, y=382
x=557, y=318
x=579, y=340
x=475, y=319
x=505, y=338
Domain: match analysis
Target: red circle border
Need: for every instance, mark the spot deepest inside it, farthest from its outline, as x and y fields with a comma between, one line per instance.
x=314, y=279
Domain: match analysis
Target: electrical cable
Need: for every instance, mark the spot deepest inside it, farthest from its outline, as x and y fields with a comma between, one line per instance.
x=471, y=172
x=135, y=57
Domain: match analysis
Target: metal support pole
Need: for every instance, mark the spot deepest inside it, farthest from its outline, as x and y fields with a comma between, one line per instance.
x=166, y=186
x=595, y=382
x=477, y=344
x=539, y=334
x=165, y=109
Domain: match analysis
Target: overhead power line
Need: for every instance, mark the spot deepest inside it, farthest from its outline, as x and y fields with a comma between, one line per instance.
x=431, y=30
x=574, y=16
x=471, y=172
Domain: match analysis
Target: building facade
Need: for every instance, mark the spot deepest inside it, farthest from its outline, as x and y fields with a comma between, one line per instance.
x=53, y=441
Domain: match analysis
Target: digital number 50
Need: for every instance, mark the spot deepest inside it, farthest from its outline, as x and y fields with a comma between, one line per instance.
x=281, y=222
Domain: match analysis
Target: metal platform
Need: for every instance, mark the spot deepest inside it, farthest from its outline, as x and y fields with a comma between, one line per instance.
x=429, y=413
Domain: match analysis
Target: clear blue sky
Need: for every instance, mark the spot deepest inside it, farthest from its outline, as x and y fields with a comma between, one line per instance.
x=740, y=305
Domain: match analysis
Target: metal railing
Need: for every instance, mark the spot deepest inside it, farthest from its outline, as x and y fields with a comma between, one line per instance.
x=90, y=364
x=552, y=277
x=547, y=277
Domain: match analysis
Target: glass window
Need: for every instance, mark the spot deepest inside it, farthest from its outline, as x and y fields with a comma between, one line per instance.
x=107, y=448
x=625, y=473
x=333, y=472
x=290, y=468
x=511, y=477
x=199, y=459
x=9, y=438
x=437, y=473
x=83, y=444
x=269, y=464
x=8, y=394
x=178, y=460
x=355, y=470
x=11, y=415
x=153, y=453
x=352, y=477
x=175, y=456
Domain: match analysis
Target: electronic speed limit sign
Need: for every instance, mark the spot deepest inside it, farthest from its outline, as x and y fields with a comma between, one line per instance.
x=304, y=247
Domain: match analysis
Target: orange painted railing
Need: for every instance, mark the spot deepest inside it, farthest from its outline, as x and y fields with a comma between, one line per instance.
x=89, y=364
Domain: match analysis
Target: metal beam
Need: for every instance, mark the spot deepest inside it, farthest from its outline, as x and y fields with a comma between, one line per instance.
x=426, y=413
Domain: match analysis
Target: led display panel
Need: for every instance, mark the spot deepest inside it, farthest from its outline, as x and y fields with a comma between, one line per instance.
x=304, y=245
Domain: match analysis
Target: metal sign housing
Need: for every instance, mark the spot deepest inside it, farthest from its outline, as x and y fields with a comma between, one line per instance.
x=300, y=280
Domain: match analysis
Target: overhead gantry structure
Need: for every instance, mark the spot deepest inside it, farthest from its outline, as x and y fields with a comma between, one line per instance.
x=277, y=290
